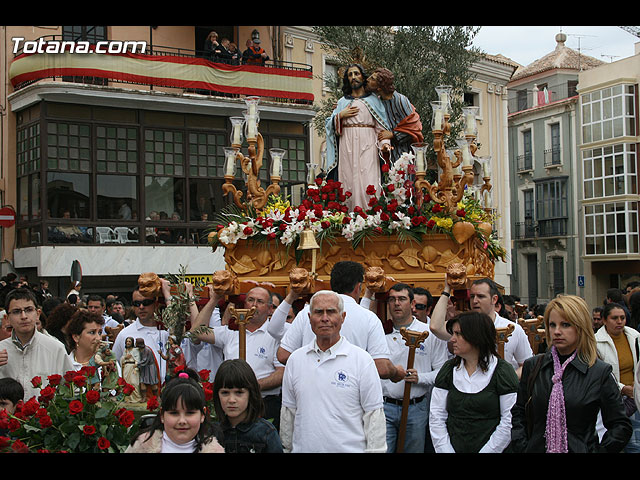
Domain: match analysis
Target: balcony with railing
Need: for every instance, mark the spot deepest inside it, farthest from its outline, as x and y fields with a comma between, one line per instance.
x=552, y=157
x=526, y=99
x=187, y=71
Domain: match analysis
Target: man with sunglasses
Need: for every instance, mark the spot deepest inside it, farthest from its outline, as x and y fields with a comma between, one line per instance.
x=28, y=353
x=422, y=303
x=146, y=326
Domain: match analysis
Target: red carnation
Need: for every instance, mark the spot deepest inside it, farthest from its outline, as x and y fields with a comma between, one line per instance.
x=436, y=208
x=247, y=230
x=460, y=212
x=431, y=223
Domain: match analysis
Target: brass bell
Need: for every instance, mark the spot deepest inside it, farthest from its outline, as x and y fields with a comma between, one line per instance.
x=308, y=240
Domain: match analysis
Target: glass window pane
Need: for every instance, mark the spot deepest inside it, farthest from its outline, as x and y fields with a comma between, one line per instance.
x=68, y=195
x=117, y=197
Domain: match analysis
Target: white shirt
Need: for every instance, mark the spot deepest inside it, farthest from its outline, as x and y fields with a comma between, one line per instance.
x=261, y=350
x=517, y=348
x=330, y=394
x=153, y=338
x=430, y=355
x=41, y=357
x=361, y=327
x=466, y=383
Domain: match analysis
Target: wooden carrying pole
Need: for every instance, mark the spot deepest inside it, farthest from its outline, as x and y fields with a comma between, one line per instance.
x=242, y=317
x=412, y=340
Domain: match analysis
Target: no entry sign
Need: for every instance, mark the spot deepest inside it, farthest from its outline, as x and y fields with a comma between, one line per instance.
x=7, y=217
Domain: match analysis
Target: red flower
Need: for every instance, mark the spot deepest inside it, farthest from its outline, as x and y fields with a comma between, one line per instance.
x=325, y=224
x=30, y=407
x=103, y=443
x=247, y=230
x=70, y=375
x=128, y=389
x=390, y=188
x=19, y=447
x=88, y=371
x=79, y=380
x=385, y=168
x=93, y=396
x=14, y=425
x=460, y=212
x=371, y=190
x=126, y=418
x=47, y=393
x=204, y=375
x=54, y=379
x=436, y=208
x=36, y=381
x=4, y=442
x=152, y=403
x=89, y=430
x=75, y=407
x=431, y=223
x=384, y=217
x=45, y=421
x=208, y=394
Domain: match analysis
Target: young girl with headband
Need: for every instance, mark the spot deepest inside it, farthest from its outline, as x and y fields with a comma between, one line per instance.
x=183, y=425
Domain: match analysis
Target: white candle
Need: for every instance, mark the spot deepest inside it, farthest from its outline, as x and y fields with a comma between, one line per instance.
x=252, y=109
x=438, y=120
x=236, y=134
x=252, y=127
x=487, y=199
x=485, y=168
x=275, y=168
x=470, y=123
x=231, y=165
x=420, y=161
x=466, y=157
x=444, y=100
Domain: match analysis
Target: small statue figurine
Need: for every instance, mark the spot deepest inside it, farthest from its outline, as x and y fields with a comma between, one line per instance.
x=174, y=357
x=105, y=359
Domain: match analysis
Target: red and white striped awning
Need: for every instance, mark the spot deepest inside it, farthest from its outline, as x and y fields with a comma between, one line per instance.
x=168, y=71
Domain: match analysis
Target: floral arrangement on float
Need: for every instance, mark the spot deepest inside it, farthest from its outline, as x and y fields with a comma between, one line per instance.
x=397, y=207
x=68, y=417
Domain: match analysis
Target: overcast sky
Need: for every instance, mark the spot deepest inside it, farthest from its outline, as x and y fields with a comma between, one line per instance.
x=526, y=44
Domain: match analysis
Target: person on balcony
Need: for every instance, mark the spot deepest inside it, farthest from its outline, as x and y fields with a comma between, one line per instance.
x=211, y=45
x=254, y=54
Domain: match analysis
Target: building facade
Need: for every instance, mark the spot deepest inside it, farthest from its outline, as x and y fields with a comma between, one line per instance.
x=545, y=175
x=116, y=159
x=608, y=161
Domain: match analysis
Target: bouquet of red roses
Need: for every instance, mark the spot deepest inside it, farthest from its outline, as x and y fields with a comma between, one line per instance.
x=69, y=416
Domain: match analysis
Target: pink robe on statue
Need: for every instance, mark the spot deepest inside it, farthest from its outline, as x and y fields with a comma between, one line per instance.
x=359, y=164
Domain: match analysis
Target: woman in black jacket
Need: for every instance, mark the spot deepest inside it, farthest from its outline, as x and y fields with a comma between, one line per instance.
x=562, y=390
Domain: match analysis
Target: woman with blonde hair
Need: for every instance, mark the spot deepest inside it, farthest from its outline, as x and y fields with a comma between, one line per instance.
x=562, y=390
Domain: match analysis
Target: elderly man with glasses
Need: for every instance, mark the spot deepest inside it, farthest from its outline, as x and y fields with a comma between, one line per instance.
x=27, y=353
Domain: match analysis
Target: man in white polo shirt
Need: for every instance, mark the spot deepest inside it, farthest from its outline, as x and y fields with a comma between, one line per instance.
x=331, y=391
x=429, y=357
x=261, y=347
x=361, y=327
x=483, y=297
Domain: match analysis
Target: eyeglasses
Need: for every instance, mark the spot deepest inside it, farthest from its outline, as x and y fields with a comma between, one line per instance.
x=420, y=306
x=397, y=299
x=146, y=302
x=16, y=312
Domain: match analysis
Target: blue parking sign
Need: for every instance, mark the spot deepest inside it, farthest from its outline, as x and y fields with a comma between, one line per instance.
x=581, y=280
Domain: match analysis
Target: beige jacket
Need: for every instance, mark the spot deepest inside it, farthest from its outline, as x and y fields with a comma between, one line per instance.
x=154, y=445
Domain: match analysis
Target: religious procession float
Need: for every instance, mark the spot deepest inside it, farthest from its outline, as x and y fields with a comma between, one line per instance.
x=412, y=231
